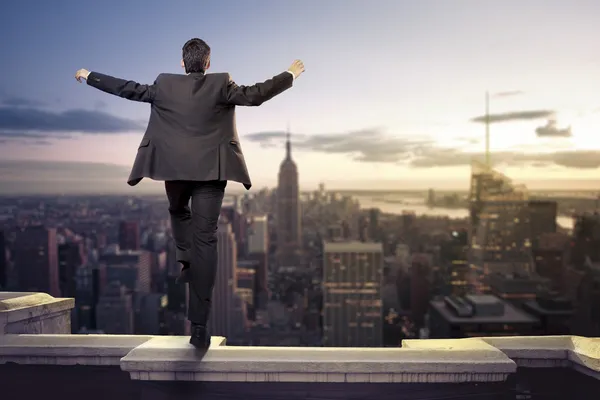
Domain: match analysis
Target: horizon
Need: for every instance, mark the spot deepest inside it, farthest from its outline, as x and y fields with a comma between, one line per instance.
x=72, y=178
x=414, y=115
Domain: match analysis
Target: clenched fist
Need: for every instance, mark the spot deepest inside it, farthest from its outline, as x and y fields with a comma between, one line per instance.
x=82, y=74
x=297, y=68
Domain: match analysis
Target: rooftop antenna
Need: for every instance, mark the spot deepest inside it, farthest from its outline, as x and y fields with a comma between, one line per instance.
x=487, y=130
x=288, y=143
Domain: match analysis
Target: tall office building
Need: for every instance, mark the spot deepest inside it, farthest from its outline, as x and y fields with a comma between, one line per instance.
x=352, y=307
x=224, y=290
x=246, y=283
x=86, y=298
x=420, y=286
x=114, y=312
x=36, y=260
x=288, y=210
x=131, y=268
x=258, y=250
x=583, y=275
x=238, y=225
x=70, y=256
x=454, y=255
x=129, y=235
x=500, y=227
x=151, y=315
x=374, y=217
x=542, y=218
x=550, y=259
x=258, y=234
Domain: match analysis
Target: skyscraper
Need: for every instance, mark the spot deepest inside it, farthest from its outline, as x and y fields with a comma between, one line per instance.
x=238, y=225
x=114, y=312
x=258, y=249
x=70, y=256
x=36, y=260
x=224, y=290
x=258, y=234
x=131, y=268
x=542, y=218
x=129, y=235
x=500, y=227
x=288, y=209
x=352, y=307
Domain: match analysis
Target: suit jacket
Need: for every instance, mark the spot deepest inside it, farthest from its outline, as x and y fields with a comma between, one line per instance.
x=191, y=134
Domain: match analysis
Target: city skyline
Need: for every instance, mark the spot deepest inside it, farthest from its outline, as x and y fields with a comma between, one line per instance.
x=393, y=92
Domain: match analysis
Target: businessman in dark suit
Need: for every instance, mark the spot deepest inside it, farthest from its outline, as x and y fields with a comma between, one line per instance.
x=191, y=144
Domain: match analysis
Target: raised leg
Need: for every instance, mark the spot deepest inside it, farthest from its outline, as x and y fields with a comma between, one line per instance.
x=179, y=193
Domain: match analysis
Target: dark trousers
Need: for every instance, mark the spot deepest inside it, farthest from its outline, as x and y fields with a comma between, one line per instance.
x=195, y=234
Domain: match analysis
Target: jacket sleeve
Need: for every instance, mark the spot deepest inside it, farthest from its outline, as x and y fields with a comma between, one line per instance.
x=129, y=90
x=258, y=93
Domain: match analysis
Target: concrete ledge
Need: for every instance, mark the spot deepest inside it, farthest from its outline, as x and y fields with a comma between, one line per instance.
x=580, y=353
x=535, y=351
x=34, y=313
x=172, y=359
x=67, y=349
x=585, y=355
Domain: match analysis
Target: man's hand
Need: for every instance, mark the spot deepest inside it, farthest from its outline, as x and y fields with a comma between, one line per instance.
x=82, y=74
x=297, y=68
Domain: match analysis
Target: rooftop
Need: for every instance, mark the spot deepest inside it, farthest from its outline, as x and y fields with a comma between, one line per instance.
x=352, y=246
x=35, y=349
x=510, y=314
x=538, y=308
x=482, y=298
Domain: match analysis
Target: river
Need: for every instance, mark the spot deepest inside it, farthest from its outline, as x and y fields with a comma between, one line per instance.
x=418, y=206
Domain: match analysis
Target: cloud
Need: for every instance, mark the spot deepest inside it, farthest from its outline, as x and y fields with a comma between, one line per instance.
x=263, y=137
x=28, y=119
x=35, y=142
x=8, y=135
x=515, y=116
x=366, y=145
x=271, y=139
x=16, y=170
x=551, y=130
x=23, y=121
x=100, y=105
x=509, y=93
x=19, y=102
x=468, y=140
x=569, y=159
x=40, y=142
x=374, y=146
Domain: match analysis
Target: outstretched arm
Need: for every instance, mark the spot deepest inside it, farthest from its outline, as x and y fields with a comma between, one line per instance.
x=129, y=90
x=255, y=95
x=258, y=93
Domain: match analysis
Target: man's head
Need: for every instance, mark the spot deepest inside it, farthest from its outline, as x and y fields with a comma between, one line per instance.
x=196, y=56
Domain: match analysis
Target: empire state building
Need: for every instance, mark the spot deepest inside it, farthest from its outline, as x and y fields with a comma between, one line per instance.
x=288, y=210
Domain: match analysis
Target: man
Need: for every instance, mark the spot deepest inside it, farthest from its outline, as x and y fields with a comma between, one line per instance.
x=192, y=144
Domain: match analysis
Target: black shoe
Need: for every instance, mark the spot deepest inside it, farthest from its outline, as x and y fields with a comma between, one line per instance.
x=184, y=275
x=200, y=338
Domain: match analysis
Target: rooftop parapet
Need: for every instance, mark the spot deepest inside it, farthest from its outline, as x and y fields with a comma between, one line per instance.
x=23, y=312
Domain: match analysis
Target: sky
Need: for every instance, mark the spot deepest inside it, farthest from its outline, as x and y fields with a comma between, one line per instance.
x=393, y=94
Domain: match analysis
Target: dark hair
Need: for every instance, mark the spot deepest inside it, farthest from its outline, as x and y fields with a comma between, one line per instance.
x=196, y=55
